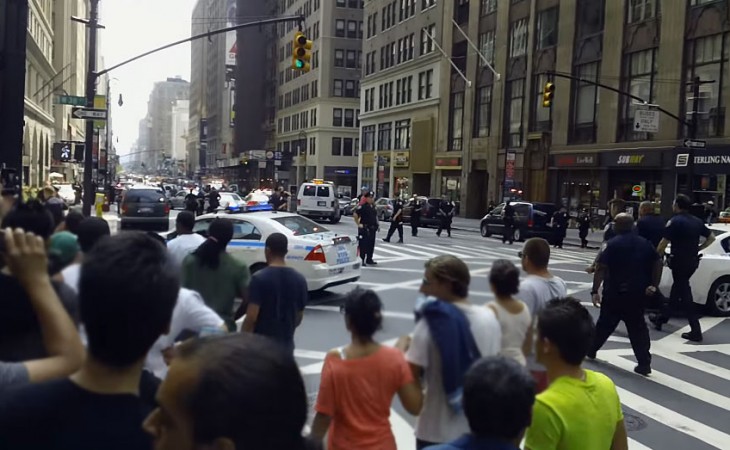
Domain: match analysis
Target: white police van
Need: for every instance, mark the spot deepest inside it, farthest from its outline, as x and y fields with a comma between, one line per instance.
x=317, y=199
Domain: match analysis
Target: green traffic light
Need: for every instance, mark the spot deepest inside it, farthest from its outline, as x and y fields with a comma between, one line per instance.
x=299, y=63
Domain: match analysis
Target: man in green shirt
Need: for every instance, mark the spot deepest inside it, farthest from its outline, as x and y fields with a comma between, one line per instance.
x=581, y=409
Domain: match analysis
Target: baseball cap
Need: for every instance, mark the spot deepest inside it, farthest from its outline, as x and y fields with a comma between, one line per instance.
x=63, y=246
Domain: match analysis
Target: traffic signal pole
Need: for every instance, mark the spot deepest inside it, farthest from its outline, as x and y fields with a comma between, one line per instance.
x=13, y=32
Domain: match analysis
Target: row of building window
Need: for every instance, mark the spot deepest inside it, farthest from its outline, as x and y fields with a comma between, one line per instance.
x=298, y=121
x=348, y=118
x=345, y=146
x=400, y=91
x=352, y=4
x=353, y=30
x=298, y=147
x=385, y=139
x=299, y=95
x=349, y=59
x=346, y=88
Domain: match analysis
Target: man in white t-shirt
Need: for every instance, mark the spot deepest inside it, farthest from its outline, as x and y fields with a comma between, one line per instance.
x=90, y=231
x=536, y=290
x=186, y=241
x=447, y=279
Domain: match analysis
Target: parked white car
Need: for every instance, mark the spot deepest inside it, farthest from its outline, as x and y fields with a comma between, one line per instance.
x=323, y=257
x=67, y=193
x=711, y=282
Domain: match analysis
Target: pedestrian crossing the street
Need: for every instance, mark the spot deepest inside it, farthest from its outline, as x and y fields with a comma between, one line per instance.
x=391, y=253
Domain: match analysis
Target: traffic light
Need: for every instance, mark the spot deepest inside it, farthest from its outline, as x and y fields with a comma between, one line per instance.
x=301, y=53
x=548, y=93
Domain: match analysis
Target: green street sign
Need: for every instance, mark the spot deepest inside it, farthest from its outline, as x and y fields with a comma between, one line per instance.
x=71, y=100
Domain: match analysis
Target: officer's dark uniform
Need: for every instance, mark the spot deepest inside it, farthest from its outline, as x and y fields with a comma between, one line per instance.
x=191, y=203
x=651, y=228
x=369, y=221
x=415, y=216
x=560, y=223
x=684, y=231
x=629, y=261
x=508, y=220
x=584, y=225
x=396, y=222
x=445, y=215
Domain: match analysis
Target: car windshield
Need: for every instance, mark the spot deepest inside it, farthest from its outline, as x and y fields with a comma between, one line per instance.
x=230, y=197
x=144, y=196
x=301, y=226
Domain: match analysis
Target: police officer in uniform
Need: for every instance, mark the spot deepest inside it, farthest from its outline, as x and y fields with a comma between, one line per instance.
x=584, y=226
x=445, y=215
x=615, y=207
x=367, y=224
x=683, y=231
x=415, y=215
x=650, y=225
x=396, y=222
x=629, y=269
x=560, y=225
x=508, y=220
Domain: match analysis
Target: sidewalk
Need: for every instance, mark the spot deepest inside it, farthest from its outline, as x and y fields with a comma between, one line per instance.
x=473, y=226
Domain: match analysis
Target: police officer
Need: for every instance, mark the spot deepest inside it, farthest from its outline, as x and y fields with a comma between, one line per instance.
x=560, y=225
x=683, y=231
x=445, y=215
x=367, y=224
x=584, y=225
x=615, y=207
x=629, y=269
x=415, y=215
x=650, y=226
x=396, y=222
x=508, y=221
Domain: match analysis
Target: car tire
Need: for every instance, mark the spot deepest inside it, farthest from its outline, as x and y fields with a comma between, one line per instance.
x=336, y=219
x=485, y=230
x=517, y=235
x=721, y=288
x=257, y=267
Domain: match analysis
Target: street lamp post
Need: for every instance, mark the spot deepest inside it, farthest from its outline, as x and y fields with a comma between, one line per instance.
x=301, y=143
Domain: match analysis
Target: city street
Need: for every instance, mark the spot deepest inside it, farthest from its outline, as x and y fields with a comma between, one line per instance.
x=684, y=404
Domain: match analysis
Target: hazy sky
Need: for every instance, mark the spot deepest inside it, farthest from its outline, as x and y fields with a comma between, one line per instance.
x=133, y=27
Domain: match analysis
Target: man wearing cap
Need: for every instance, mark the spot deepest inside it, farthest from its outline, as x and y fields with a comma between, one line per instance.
x=367, y=224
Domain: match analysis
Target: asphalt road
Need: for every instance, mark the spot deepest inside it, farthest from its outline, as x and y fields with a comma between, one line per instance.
x=684, y=404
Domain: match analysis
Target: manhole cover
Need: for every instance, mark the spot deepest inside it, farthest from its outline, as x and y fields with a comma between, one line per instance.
x=634, y=423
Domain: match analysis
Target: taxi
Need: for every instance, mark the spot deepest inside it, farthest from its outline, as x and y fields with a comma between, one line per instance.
x=323, y=257
x=711, y=282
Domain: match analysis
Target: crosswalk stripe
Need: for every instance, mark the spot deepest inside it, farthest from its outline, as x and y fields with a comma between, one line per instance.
x=446, y=250
x=410, y=248
x=636, y=445
x=673, y=419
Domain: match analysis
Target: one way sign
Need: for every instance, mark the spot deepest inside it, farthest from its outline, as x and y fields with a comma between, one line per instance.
x=89, y=113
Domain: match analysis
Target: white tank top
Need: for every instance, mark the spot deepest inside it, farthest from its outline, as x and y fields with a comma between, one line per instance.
x=514, y=329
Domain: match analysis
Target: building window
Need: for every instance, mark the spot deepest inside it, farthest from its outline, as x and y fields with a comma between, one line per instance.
x=640, y=10
x=337, y=91
x=339, y=58
x=349, y=118
x=341, y=3
x=312, y=146
x=540, y=115
x=350, y=90
x=638, y=79
x=518, y=38
x=352, y=29
x=547, y=28
x=482, y=111
x=456, y=121
x=315, y=89
x=384, y=136
x=487, y=7
x=486, y=46
x=515, y=108
x=708, y=61
x=337, y=117
x=347, y=147
x=368, y=138
x=427, y=45
x=402, y=134
x=590, y=17
x=340, y=28
x=369, y=99
x=314, y=117
x=425, y=85
x=703, y=2
x=585, y=105
x=425, y=4
x=351, y=59
x=336, y=146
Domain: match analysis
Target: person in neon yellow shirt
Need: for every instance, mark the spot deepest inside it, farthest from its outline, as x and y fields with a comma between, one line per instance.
x=580, y=410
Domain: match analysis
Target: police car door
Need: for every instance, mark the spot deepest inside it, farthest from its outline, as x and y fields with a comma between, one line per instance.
x=247, y=243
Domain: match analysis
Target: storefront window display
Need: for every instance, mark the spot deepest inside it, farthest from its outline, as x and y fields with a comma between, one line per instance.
x=577, y=195
x=451, y=188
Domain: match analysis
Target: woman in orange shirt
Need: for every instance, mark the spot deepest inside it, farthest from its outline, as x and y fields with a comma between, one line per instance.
x=359, y=381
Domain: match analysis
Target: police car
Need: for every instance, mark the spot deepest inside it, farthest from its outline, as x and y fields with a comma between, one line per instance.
x=323, y=257
x=711, y=282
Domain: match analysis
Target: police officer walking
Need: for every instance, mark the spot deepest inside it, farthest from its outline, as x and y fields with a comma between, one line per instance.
x=629, y=269
x=367, y=224
x=650, y=226
x=560, y=225
x=396, y=222
x=508, y=220
x=683, y=231
x=445, y=214
x=584, y=225
x=415, y=215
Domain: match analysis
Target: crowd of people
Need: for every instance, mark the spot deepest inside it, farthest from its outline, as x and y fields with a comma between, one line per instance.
x=130, y=342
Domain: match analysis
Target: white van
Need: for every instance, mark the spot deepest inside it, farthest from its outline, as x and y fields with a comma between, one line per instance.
x=317, y=200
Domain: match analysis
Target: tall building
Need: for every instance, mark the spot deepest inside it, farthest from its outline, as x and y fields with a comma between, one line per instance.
x=317, y=113
x=69, y=62
x=40, y=75
x=400, y=95
x=159, y=110
x=180, y=124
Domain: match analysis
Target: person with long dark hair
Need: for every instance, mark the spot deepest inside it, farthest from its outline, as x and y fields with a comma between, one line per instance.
x=216, y=275
x=359, y=382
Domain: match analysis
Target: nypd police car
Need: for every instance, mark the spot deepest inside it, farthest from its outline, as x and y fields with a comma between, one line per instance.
x=323, y=257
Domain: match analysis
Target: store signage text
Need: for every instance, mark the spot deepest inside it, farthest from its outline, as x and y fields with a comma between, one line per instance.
x=576, y=160
x=714, y=159
x=630, y=159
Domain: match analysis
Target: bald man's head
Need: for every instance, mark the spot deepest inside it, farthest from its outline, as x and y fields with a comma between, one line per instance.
x=623, y=223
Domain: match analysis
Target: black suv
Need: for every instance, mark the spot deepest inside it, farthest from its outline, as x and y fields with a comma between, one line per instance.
x=531, y=220
x=145, y=208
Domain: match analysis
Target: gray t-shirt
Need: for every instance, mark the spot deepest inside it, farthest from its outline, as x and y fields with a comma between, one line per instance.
x=13, y=374
x=535, y=292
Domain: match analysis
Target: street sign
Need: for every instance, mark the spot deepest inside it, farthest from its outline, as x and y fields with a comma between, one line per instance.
x=71, y=100
x=646, y=121
x=690, y=143
x=89, y=113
